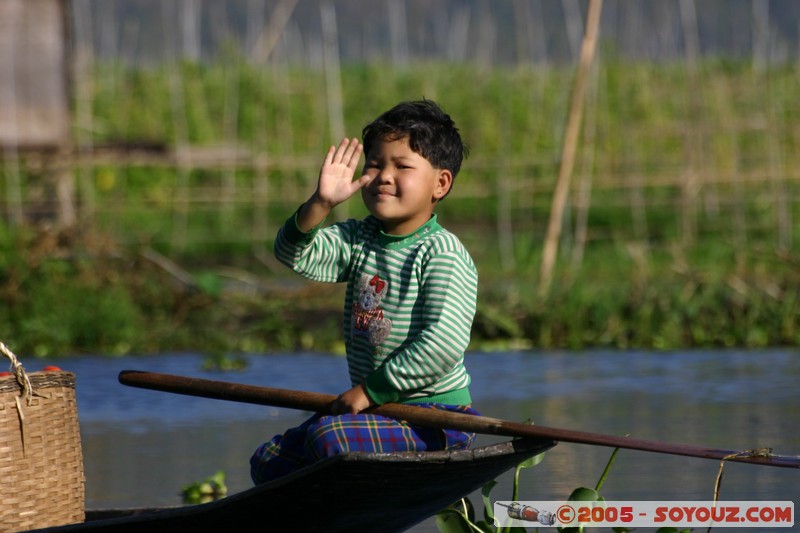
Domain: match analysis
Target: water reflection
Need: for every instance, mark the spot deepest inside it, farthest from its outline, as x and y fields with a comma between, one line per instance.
x=142, y=446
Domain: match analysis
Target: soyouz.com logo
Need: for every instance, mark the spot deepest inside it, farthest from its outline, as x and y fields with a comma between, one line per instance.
x=644, y=514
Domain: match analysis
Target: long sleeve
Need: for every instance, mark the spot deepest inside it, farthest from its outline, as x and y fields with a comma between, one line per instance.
x=319, y=255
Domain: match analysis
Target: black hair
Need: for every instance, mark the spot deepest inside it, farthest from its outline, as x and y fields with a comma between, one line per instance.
x=431, y=133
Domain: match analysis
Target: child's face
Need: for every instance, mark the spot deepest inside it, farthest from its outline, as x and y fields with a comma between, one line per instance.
x=404, y=188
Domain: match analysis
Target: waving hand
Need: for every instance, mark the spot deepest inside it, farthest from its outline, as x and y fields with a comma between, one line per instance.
x=336, y=183
x=336, y=177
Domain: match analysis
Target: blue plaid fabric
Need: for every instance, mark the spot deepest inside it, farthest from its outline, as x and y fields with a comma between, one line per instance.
x=324, y=435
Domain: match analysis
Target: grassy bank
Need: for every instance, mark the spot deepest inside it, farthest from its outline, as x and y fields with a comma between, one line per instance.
x=69, y=293
x=680, y=229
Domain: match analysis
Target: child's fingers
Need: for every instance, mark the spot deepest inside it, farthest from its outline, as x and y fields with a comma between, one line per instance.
x=347, y=149
x=363, y=181
x=357, y=184
x=354, y=153
x=341, y=156
x=329, y=155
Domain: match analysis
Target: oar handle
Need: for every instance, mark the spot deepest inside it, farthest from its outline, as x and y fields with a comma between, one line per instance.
x=311, y=401
x=223, y=390
x=308, y=401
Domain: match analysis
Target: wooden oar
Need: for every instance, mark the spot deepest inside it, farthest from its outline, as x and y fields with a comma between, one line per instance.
x=311, y=401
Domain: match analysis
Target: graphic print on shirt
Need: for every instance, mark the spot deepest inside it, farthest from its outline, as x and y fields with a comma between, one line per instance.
x=368, y=320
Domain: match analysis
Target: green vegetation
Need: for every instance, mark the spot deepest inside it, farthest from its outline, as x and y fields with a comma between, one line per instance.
x=686, y=238
x=210, y=489
x=460, y=517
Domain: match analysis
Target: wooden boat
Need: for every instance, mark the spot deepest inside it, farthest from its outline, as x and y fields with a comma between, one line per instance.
x=367, y=492
x=349, y=492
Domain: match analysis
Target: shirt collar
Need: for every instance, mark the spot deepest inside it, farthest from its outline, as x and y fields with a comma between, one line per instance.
x=395, y=242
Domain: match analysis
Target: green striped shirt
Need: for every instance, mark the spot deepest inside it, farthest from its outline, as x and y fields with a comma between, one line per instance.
x=409, y=304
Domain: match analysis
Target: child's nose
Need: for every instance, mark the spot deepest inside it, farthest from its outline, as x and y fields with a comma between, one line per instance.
x=385, y=176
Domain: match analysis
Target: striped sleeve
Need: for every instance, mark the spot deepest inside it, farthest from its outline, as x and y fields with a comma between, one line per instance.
x=320, y=254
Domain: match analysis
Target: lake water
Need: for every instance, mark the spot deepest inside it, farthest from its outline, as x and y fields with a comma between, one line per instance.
x=141, y=447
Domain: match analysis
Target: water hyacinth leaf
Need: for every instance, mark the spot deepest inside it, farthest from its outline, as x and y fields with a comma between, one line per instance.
x=451, y=521
x=208, y=490
x=607, y=469
x=488, y=513
x=584, y=494
x=466, y=505
x=486, y=527
x=533, y=461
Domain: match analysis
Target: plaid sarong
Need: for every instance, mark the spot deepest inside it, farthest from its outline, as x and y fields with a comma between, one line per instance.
x=324, y=435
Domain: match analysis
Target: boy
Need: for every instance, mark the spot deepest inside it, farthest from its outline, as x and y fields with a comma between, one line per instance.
x=411, y=289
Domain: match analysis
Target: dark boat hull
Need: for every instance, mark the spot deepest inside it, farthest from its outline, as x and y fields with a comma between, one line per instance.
x=349, y=492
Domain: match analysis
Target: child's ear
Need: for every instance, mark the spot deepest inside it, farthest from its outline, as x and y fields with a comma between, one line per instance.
x=444, y=181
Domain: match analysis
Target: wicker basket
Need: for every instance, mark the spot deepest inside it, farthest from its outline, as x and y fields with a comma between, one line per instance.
x=41, y=462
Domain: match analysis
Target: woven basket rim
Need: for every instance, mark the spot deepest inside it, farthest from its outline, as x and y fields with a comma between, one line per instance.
x=39, y=380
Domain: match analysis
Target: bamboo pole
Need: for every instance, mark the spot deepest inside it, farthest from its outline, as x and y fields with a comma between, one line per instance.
x=632, y=152
x=760, y=31
x=505, y=225
x=459, y=34
x=230, y=122
x=272, y=33
x=537, y=34
x=82, y=67
x=11, y=164
x=12, y=171
x=487, y=37
x=189, y=20
x=398, y=33
x=333, y=85
x=262, y=51
x=260, y=186
x=572, y=18
x=64, y=182
x=761, y=61
x=11, y=156
x=180, y=122
x=333, y=73
x=569, y=147
x=691, y=185
x=584, y=197
x=523, y=32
